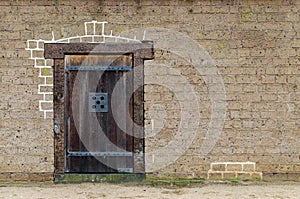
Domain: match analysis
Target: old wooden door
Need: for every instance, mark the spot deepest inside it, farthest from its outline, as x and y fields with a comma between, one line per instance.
x=98, y=106
x=99, y=128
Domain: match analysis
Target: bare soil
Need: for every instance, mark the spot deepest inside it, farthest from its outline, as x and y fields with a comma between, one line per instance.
x=128, y=191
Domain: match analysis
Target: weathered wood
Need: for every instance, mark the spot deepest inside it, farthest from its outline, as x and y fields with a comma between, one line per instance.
x=59, y=50
x=59, y=119
x=76, y=125
x=87, y=135
x=138, y=116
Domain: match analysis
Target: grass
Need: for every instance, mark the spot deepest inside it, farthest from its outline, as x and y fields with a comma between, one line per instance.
x=234, y=181
x=128, y=178
x=98, y=178
x=173, y=182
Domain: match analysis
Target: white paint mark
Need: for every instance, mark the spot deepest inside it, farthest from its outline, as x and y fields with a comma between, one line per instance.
x=53, y=39
x=144, y=35
x=103, y=27
x=94, y=27
x=85, y=28
x=40, y=62
x=152, y=124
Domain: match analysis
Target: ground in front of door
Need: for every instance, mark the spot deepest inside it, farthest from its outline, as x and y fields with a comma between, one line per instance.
x=128, y=191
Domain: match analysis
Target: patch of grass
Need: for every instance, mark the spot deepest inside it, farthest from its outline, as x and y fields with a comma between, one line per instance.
x=234, y=181
x=173, y=182
x=98, y=178
x=256, y=179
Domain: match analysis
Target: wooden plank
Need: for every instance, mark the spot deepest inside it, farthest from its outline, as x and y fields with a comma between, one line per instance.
x=72, y=134
x=91, y=122
x=59, y=120
x=121, y=136
x=112, y=128
x=101, y=119
x=59, y=50
x=129, y=116
x=106, y=126
x=73, y=122
x=138, y=116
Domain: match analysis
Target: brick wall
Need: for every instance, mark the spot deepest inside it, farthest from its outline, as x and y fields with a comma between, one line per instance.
x=254, y=45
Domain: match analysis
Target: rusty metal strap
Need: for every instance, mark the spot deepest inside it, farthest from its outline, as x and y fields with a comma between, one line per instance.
x=105, y=68
x=83, y=154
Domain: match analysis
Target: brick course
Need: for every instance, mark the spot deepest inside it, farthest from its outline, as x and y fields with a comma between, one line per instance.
x=254, y=44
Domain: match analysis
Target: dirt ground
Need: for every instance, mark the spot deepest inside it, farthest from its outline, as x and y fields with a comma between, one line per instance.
x=126, y=191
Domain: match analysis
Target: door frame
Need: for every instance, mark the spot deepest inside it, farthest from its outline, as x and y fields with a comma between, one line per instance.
x=57, y=51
